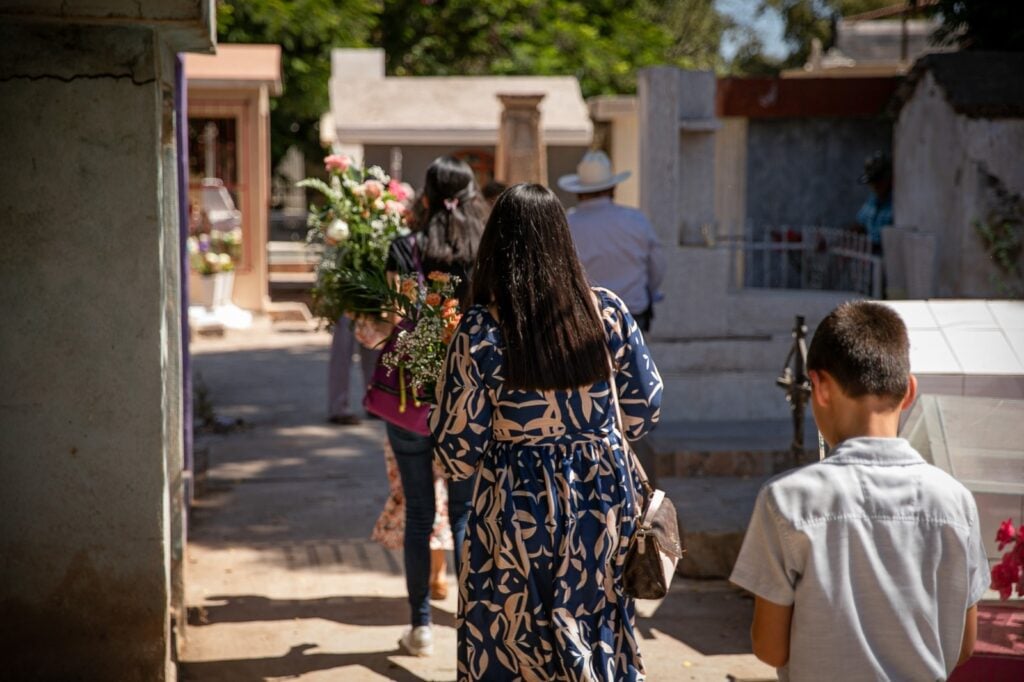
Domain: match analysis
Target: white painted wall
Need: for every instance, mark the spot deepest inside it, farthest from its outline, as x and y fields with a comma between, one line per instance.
x=719, y=348
x=940, y=160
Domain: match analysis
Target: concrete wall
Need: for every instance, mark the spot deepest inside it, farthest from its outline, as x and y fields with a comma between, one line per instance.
x=417, y=158
x=804, y=171
x=951, y=159
x=719, y=348
x=90, y=425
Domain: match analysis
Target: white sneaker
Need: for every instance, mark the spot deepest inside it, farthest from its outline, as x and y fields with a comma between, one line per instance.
x=418, y=641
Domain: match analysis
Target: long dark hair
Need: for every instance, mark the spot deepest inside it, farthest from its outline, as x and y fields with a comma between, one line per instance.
x=527, y=267
x=452, y=221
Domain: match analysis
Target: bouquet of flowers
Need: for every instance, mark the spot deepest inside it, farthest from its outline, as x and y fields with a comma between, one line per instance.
x=422, y=342
x=214, y=251
x=362, y=213
x=1009, y=572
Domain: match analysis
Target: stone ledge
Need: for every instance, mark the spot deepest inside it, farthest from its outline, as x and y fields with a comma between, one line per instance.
x=713, y=517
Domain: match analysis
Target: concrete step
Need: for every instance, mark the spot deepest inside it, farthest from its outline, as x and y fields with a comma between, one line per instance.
x=759, y=353
x=726, y=448
x=713, y=517
x=748, y=395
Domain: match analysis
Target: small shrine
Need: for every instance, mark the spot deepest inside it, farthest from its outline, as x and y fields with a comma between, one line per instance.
x=229, y=178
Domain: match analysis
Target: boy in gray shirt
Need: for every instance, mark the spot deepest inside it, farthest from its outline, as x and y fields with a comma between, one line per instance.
x=868, y=565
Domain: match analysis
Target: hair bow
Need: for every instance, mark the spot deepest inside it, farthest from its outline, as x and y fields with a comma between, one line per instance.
x=451, y=204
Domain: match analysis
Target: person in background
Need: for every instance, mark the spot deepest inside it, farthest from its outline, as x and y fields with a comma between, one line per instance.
x=868, y=565
x=876, y=213
x=344, y=347
x=339, y=368
x=449, y=222
x=616, y=244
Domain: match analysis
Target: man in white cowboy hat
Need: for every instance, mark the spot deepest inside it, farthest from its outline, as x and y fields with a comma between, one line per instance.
x=616, y=244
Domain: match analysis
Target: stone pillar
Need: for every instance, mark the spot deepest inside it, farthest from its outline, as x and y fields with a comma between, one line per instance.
x=521, y=155
x=658, y=95
x=697, y=126
x=677, y=152
x=90, y=342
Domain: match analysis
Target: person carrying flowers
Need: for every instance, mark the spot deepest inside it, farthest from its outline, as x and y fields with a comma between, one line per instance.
x=448, y=222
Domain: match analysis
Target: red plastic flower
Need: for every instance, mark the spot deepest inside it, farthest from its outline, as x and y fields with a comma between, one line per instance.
x=1006, y=533
x=1005, y=575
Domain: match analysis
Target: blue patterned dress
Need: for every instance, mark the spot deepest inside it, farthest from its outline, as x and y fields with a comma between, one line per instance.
x=540, y=592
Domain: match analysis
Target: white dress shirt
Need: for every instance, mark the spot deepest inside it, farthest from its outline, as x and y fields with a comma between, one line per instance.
x=619, y=250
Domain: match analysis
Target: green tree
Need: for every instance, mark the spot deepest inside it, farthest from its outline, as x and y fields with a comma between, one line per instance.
x=601, y=42
x=306, y=30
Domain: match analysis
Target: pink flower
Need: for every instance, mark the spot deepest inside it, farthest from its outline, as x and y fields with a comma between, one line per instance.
x=1006, y=533
x=396, y=188
x=373, y=189
x=337, y=163
x=396, y=207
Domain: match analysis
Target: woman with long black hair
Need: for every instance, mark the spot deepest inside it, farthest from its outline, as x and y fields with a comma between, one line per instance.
x=449, y=221
x=526, y=407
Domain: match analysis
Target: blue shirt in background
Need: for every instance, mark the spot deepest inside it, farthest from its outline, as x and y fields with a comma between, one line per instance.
x=874, y=215
x=619, y=250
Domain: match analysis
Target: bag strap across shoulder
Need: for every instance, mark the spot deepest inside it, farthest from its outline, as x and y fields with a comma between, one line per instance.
x=631, y=457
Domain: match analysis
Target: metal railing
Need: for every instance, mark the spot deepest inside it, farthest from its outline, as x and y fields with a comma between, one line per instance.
x=810, y=258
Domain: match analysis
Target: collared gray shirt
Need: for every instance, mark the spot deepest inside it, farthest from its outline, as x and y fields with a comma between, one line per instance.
x=619, y=250
x=880, y=555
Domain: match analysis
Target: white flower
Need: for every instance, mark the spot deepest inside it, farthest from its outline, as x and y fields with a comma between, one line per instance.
x=337, y=231
x=224, y=259
x=192, y=245
x=212, y=260
x=378, y=173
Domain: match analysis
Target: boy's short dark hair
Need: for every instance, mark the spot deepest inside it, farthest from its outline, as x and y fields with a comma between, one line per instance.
x=865, y=347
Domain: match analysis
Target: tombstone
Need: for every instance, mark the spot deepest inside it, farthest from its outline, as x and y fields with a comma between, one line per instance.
x=521, y=155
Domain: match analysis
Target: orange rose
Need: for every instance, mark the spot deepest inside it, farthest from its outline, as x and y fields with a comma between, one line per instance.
x=433, y=298
x=410, y=289
x=442, y=277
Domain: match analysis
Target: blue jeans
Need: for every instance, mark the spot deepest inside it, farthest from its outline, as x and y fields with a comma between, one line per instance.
x=415, y=456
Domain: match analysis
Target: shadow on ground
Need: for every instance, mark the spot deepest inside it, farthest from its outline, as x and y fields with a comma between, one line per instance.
x=296, y=662
x=711, y=618
x=358, y=611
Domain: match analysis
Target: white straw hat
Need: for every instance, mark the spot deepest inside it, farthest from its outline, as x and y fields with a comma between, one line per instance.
x=593, y=174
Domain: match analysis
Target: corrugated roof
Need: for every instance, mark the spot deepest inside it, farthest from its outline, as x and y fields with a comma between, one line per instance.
x=976, y=84
x=452, y=109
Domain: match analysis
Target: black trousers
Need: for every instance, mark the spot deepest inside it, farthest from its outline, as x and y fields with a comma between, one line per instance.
x=643, y=320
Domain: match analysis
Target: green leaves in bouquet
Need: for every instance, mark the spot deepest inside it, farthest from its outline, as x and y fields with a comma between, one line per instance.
x=360, y=216
x=341, y=290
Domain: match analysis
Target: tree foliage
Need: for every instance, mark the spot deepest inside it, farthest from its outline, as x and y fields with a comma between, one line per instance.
x=601, y=42
x=306, y=30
